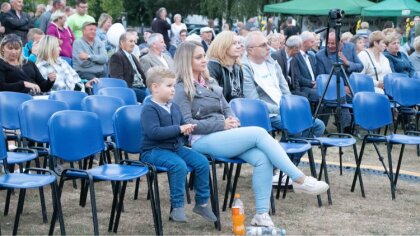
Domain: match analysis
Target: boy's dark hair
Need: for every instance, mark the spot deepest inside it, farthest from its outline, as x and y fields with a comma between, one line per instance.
x=157, y=75
x=78, y=2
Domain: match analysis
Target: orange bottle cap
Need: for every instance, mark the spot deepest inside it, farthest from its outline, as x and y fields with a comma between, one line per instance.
x=237, y=195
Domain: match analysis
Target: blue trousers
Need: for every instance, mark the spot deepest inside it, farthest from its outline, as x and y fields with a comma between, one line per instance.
x=176, y=162
x=255, y=146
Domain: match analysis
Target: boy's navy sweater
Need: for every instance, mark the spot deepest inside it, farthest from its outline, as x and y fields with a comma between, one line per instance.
x=161, y=129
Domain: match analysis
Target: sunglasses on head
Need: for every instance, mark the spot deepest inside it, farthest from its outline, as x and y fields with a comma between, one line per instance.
x=11, y=38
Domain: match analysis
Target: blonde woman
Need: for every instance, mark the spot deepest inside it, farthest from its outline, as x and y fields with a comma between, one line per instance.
x=18, y=74
x=176, y=28
x=399, y=61
x=275, y=41
x=217, y=131
x=224, y=66
x=51, y=65
x=104, y=23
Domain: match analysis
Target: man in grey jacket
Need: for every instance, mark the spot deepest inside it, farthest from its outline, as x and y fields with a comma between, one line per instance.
x=89, y=54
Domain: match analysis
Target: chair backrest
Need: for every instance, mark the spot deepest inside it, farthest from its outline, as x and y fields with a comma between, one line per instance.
x=9, y=105
x=127, y=128
x=105, y=108
x=3, y=149
x=34, y=116
x=389, y=82
x=371, y=110
x=75, y=135
x=416, y=75
x=108, y=82
x=251, y=112
x=406, y=91
x=361, y=83
x=73, y=99
x=126, y=94
x=295, y=113
x=331, y=93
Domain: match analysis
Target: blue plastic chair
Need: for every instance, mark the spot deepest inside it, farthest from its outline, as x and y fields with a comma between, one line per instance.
x=77, y=135
x=371, y=112
x=126, y=94
x=9, y=117
x=389, y=82
x=361, y=83
x=296, y=117
x=108, y=82
x=24, y=181
x=73, y=99
x=406, y=95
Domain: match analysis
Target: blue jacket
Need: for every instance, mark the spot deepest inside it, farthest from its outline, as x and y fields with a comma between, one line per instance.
x=161, y=129
x=324, y=63
x=400, y=63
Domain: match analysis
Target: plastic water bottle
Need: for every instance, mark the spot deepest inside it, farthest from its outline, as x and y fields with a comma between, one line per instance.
x=238, y=216
x=257, y=231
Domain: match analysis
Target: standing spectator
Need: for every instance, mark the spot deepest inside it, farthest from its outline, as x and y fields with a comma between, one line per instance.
x=160, y=25
x=104, y=23
x=176, y=27
x=156, y=57
x=346, y=37
x=374, y=62
x=124, y=65
x=412, y=34
x=16, y=21
x=5, y=7
x=40, y=9
x=89, y=54
x=398, y=61
x=45, y=19
x=224, y=64
x=225, y=27
x=58, y=29
x=291, y=28
x=364, y=29
x=76, y=21
x=415, y=56
x=206, y=37
x=69, y=11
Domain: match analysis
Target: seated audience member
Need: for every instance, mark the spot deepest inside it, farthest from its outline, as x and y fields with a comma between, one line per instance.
x=104, y=23
x=156, y=55
x=183, y=34
x=317, y=43
x=415, y=56
x=398, y=61
x=51, y=65
x=63, y=33
x=217, y=131
x=346, y=37
x=224, y=64
x=89, y=55
x=359, y=43
x=124, y=65
x=304, y=67
x=136, y=51
x=164, y=135
x=285, y=58
x=275, y=42
x=18, y=74
x=146, y=36
x=30, y=49
x=374, y=62
x=206, y=34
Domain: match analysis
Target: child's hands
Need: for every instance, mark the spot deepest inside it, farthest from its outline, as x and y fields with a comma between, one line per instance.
x=187, y=129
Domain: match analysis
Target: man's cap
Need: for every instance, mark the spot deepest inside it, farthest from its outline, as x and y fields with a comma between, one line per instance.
x=205, y=29
x=88, y=23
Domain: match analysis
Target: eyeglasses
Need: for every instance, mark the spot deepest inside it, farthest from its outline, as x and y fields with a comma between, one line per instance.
x=263, y=45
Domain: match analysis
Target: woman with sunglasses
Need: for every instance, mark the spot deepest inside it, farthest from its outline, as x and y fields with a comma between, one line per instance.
x=18, y=74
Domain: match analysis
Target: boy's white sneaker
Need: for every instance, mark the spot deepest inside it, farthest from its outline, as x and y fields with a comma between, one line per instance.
x=311, y=186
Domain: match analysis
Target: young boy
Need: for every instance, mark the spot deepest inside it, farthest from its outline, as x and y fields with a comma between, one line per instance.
x=164, y=133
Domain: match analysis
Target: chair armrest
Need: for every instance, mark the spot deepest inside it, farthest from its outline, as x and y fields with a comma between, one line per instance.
x=25, y=150
x=340, y=135
x=40, y=170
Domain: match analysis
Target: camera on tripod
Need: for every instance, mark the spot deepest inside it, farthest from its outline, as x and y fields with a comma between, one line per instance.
x=334, y=17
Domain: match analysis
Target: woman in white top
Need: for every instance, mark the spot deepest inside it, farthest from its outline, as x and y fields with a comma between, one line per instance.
x=176, y=27
x=374, y=62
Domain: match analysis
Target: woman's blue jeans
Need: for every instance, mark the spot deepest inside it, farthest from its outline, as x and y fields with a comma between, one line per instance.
x=255, y=146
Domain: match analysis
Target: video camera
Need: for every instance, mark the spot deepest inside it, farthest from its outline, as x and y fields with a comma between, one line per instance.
x=335, y=16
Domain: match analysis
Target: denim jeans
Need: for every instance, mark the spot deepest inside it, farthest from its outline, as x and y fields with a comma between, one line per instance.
x=140, y=93
x=176, y=162
x=255, y=146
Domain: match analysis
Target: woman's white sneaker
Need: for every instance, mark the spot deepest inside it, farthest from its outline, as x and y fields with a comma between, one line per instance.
x=311, y=186
x=262, y=220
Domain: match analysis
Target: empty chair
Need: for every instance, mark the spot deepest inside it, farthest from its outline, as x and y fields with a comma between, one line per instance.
x=126, y=94
x=73, y=99
x=389, y=82
x=361, y=83
x=108, y=82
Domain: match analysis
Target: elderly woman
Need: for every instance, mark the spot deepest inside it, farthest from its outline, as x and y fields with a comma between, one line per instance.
x=60, y=30
x=398, y=61
x=275, y=41
x=176, y=27
x=359, y=43
x=224, y=64
x=18, y=74
x=374, y=62
x=104, y=23
x=217, y=131
x=415, y=56
x=50, y=64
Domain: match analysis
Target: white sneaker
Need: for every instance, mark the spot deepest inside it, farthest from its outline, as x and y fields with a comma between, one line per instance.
x=283, y=180
x=311, y=186
x=262, y=220
x=12, y=147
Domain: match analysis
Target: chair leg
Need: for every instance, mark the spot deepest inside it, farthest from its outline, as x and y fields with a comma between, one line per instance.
x=324, y=164
x=390, y=171
x=54, y=216
x=279, y=185
x=362, y=189
x=286, y=184
x=136, y=190
x=214, y=195
x=114, y=205
x=19, y=210
x=235, y=183
x=187, y=191
x=357, y=172
x=41, y=197
x=272, y=204
x=313, y=172
x=120, y=206
x=152, y=182
x=340, y=152
x=191, y=181
x=397, y=173
x=7, y=202
x=93, y=203
x=57, y=208
x=229, y=179
x=74, y=180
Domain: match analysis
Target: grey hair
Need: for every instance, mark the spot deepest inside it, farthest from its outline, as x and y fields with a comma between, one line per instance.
x=293, y=42
x=250, y=37
x=306, y=35
x=153, y=38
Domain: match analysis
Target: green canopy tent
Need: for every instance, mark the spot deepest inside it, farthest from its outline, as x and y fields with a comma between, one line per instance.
x=393, y=8
x=318, y=7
